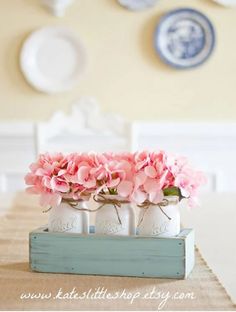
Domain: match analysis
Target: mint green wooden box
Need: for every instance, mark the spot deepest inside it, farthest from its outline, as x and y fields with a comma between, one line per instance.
x=112, y=255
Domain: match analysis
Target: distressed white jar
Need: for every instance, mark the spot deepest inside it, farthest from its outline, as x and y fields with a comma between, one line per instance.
x=155, y=221
x=65, y=218
x=107, y=222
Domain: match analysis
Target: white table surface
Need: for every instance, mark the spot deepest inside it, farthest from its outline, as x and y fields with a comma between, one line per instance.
x=215, y=230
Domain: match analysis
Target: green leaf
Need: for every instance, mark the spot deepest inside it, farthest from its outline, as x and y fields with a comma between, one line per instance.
x=172, y=191
x=112, y=191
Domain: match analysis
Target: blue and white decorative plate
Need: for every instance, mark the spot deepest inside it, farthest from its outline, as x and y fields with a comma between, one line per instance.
x=184, y=38
x=137, y=5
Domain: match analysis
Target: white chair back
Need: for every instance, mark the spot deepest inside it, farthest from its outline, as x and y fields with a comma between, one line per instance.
x=85, y=129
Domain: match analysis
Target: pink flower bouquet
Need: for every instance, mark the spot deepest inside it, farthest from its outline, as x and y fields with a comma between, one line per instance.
x=136, y=177
x=57, y=177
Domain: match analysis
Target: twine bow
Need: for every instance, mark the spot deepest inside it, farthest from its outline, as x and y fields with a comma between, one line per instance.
x=112, y=201
x=147, y=204
x=103, y=200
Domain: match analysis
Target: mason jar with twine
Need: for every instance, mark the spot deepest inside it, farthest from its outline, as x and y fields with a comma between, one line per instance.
x=114, y=216
x=70, y=216
x=162, y=219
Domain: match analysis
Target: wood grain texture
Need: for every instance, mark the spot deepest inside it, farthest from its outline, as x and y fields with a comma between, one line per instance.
x=112, y=255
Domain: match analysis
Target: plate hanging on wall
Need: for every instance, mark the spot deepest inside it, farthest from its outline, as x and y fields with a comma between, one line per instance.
x=52, y=59
x=137, y=5
x=184, y=38
x=226, y=3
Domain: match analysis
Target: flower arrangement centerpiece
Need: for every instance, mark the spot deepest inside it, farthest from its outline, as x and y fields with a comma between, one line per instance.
x=64, y=190
x=161, y=181
x=155, y=181
x=114, y=173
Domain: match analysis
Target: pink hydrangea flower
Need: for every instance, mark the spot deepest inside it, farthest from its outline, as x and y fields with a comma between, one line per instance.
x=159, y=171
x=136, y=177
x=56, y=176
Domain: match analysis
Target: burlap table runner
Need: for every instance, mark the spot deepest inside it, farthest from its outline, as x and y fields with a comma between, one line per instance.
x=202, y=291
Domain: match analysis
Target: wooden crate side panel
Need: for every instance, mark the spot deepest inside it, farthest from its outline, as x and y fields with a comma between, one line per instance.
x=108, y=256
x=164, y=267
x=102, y=244
x=190, y=253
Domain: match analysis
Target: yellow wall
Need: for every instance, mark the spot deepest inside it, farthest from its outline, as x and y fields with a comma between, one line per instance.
x=124, y=73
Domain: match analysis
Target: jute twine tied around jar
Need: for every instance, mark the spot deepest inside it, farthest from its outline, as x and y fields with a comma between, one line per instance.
x=147, y=204
x=101, y=199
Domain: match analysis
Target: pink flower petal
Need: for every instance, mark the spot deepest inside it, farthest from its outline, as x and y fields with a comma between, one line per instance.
x=163, y=179
x=156, y=197
x=82, y=174
x=59, y=185
x=46, y=181
x=151, y=185
x=90, y=183
x=139, y=179
x=150, y=171
x=138, y=197
x=61, y=172
x=125, y=188
x=41, y=172
x=113, y=183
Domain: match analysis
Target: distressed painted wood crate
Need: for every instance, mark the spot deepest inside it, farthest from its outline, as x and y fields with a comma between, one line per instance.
x=112, y=255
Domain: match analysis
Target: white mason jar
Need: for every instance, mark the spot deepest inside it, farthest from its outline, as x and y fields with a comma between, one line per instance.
x=163, y=221
x=107, y=222
x=65, y=218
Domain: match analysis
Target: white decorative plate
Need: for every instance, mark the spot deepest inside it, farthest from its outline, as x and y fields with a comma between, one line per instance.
x=184, y=38
x=136, y=5
x=227, y=3
x=52, y=59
